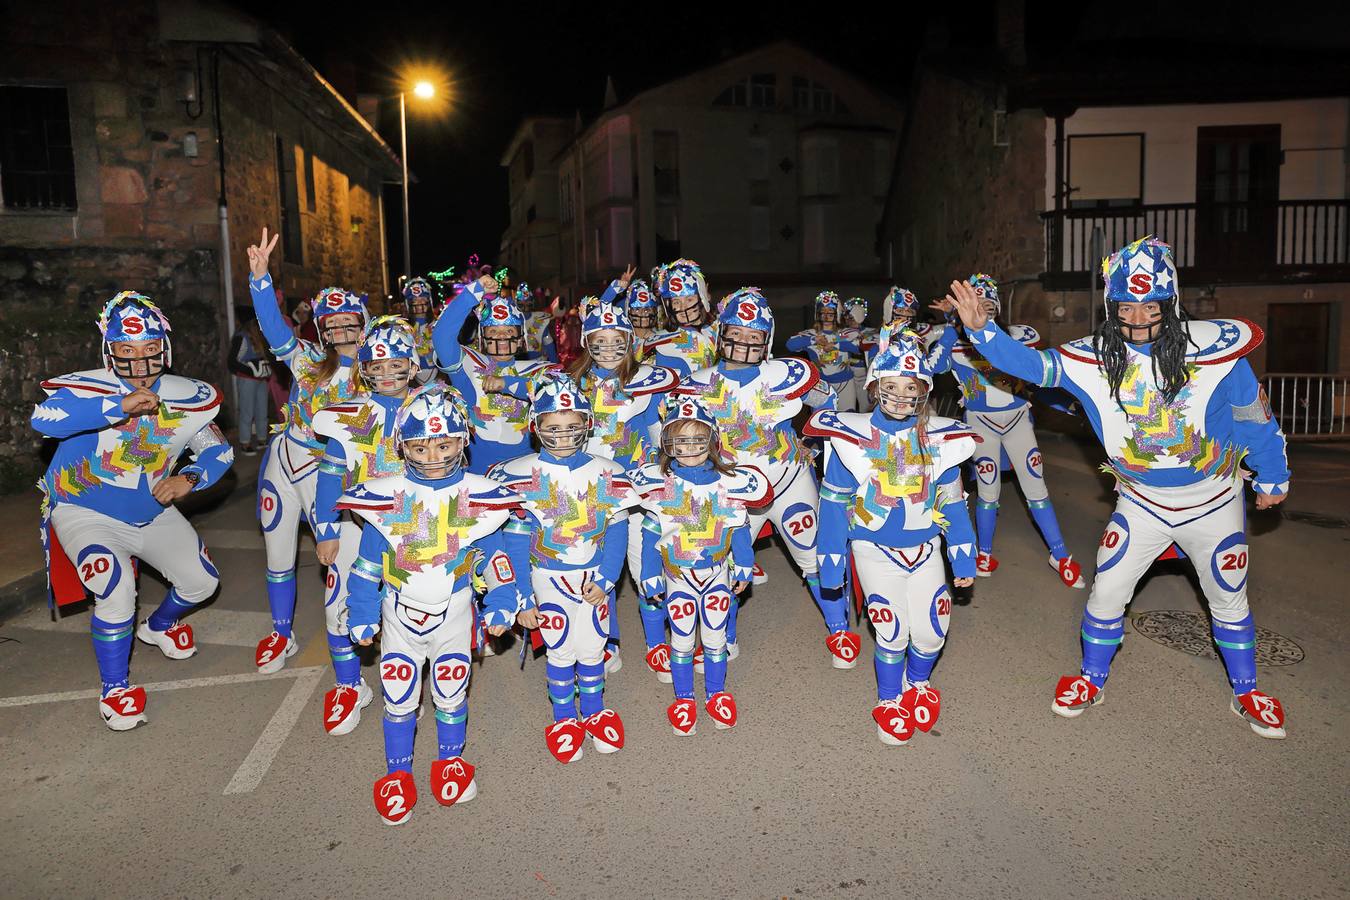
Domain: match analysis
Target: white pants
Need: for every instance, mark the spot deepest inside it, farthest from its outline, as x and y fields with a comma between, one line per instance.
x=860, y=388
x=412, y=638
x=908, y=601
x=572, y=629
x=1010, y=431
x=1208, y=522
x=338, y=581
x=102, y=548
x=794, y=513
x=285, y=496
x=698, y=600
x=846, y=394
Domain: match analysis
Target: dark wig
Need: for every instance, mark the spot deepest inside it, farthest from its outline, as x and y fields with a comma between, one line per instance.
x=1168, y=353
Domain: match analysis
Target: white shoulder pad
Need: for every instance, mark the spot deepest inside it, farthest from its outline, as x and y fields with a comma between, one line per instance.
x=749, y=485
x=375, y=495
x=325, y=422
x=651, y=380
x=1024, y=334
x=789, y=377
x=89, y=383
x=848, y=426
x=486, y=493
x=1223, y=340
x=647, y=478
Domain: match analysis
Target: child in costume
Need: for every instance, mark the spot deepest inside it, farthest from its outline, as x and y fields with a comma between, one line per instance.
x=828, y=344
x=690, y=343
x=419, y=305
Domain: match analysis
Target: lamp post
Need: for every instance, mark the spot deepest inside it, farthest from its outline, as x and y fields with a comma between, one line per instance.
x=426, y=91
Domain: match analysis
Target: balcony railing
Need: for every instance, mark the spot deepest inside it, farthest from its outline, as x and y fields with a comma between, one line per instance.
x=1310, y=407
x=1213, y=242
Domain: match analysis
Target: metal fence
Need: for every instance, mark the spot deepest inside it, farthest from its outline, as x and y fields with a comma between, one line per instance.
x=1309, y=407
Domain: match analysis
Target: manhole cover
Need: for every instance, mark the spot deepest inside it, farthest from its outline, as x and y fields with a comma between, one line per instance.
x=1189, y=632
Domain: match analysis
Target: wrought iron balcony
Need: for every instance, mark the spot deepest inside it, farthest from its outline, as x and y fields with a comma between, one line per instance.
x=1214, y=243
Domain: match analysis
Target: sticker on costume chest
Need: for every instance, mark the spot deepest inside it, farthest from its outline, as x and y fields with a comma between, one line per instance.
x=574, y=518
x=429, y=533
x=370, y=445
x=899, y=472
x=703, y=520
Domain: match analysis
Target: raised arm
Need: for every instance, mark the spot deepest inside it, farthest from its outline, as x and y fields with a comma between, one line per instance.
x=1039, y=367
x=283, y=342
x=445, y=333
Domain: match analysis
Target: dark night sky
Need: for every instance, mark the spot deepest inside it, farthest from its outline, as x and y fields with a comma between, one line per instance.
x=511, y=59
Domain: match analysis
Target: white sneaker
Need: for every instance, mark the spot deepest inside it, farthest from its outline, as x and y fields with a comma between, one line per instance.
x=342, y=707
x=733, y=651
x=175, y=642
x=613, y=661
x=273, y=651
x=123, y=709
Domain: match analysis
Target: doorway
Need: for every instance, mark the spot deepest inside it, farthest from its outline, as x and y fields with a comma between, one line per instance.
x=1298, y=337
x=1237, y=188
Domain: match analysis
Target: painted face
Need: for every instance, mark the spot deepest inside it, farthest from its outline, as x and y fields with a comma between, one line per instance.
x=829, y=317
x=419, y=306
x=990, y=308
x=740, y=344
x=138, y=363
x=389, y=377
x=687, y=311
x=901, y=396
x=1140, y=323
x=608, y=347
x=688, y=443
x=341, y=330
x=433, y=458
x=904, y=315
x=500, y=341
x=562, y=433
x=642, y=317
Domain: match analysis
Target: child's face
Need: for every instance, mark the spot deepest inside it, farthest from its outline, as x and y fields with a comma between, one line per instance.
x=433, y=457
x=562, y=433
x=689, y=443
x=608, y=347
x=389, y=377
x=900, y=396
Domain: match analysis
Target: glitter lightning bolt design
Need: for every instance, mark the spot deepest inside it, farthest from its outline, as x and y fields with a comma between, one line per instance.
x=703, y=519
x=627, y=445
x=900, y=472
x=747, y=422
x=571, y=519
x=426, y=538
x=141, y=445
x=373, y=439
x=311, y=398
x=1160, y=430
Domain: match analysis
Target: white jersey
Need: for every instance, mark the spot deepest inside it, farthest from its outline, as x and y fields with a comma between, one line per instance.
x=695, y=522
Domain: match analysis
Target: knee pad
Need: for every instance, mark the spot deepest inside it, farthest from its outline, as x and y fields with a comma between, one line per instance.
x=450, y=680
x=986, y=477
x=1228, y=566
x=401, y=681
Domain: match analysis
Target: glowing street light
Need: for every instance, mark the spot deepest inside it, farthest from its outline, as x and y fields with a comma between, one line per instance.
x=423, y=90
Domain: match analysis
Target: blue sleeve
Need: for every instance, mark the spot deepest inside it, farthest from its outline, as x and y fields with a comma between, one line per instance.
x=799, y=342
x=832, y=534
x=940, y=357
x=327, y=490
x=653, y=575
x=212, y=457
x=363, y=584
x=445, y=332
x=959, y=536
x=1040, y=367
x=63, y=414
x=613, y=553
x=742, y=554
x=610, y=292
x=517, y=386
x=1254, y=428
x=548, y=344
x=848, y=345
x=499, y=603
x=280, y=338
x=517, y=538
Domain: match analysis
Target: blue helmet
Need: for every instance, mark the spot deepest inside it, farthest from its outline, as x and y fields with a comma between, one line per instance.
x=597, y=315
x=433, y=413
x=130, y=316
x=499, y=311
x=683, y=278
x=748, y=309
x=827, y=300
x=418, y=290
x=898, y=299
x=334, y=301
x=986, y=288
x=640, y=296
x=899, y=353
x=556, y=392
x=1142, y=272
x=856, y=307
x=387, y=337
x=676, y=409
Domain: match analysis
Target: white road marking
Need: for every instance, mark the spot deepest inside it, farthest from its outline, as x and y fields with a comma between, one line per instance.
x=210, y=625
x=205, y=681
x=254, y=767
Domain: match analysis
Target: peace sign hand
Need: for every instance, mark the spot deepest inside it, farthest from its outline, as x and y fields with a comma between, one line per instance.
x=627, y=277
x=259, y=252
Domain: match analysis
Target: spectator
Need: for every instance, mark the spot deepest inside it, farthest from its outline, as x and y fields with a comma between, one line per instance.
x=252, y=371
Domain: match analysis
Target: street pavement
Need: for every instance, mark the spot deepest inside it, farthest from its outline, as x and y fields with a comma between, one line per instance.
x=233, y=788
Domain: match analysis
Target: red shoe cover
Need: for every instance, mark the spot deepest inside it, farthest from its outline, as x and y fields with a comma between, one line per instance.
x=450, y=778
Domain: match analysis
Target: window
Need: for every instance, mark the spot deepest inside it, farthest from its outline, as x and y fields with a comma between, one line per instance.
x=759, y=228
x=311, y=201
x=820, y=166
x=764, y=91
x=667, y=232
x=1105, y=170
x=735, y=95
x=759, y=159
x=37, y=164
x=812, y=96
x=289, y=204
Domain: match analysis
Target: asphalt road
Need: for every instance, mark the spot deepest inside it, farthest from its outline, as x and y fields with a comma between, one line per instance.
x=233, y=789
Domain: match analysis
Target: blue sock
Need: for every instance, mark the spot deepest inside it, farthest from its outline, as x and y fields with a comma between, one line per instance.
x=920, y=665
x=281, y=600
x=834, y=609
x=890, y=668
x=614, y=618
x=653, y=623
x=682, y=673
x=399, y=733
x=714, y=670
x=112, y=650
x=733, y=612
x=450, y=731
x=1101, y=640
x=346, y=666
x=591, y=687
x=562, y=690
x=1046, y=520
x=986, y=520
x=1237, y=646
x=170, y=611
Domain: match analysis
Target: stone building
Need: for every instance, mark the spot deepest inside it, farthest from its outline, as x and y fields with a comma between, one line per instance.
x=1032, y=166
x=112, y=177
x=769, y=168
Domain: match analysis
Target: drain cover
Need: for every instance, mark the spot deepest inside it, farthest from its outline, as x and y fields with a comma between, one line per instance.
x=1189, y=632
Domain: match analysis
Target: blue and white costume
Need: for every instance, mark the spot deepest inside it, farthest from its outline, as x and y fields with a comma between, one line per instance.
x=573, y=534
x=689, y=344
x=696, y=544
x=644, y=311
x=432, y=540
x=754, y=406
x=1002, y=419
x=286, y=487
x=420, y=302
x=830, y=349
x=855, y=318
x=500, y=422
x=1178, y=466
x=98, y=500
x=892, y=490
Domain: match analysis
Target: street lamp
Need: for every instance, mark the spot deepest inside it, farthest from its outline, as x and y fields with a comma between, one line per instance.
x=424, y=90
